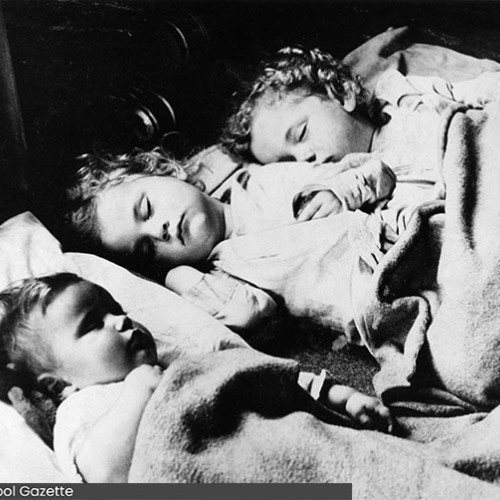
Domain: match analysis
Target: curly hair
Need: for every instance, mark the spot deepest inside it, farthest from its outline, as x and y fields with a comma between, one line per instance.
x=97, y=173
x=292, y=69
x=21, y=344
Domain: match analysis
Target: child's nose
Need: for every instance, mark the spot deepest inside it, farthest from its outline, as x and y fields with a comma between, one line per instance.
x=305, y=155
x=164, y=231
x=156, y=230
x=121, y=323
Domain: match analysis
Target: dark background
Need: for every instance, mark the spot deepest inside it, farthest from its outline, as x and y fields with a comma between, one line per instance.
x=88, y=73
x=96, y=74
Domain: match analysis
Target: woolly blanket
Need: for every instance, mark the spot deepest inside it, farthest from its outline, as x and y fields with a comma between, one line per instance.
x=430, y=314
x=239, y=416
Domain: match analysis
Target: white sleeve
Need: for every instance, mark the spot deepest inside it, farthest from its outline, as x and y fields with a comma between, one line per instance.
x=75, y=417
x=235, y=303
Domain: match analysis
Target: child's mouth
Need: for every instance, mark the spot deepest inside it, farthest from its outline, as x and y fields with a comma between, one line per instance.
x=138, y=341
x=180, y=235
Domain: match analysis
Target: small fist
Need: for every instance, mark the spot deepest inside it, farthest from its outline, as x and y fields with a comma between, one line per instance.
x=315, y=203
x=370, y=412
x=380, y=177
x=144, y=378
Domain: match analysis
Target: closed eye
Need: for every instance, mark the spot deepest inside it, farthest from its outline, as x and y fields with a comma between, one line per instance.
x=92, y=321
x=145, y=208
x=301, y=132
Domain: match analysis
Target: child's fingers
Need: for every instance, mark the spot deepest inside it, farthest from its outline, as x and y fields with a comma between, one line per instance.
x=378, y=417
x=321, y=204
x=369, y=412
x=301, y=200
x=309, y=210
x=324, y=210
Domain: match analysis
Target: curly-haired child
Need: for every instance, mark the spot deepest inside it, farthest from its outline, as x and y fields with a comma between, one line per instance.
x=218, y=255
x=304, y=105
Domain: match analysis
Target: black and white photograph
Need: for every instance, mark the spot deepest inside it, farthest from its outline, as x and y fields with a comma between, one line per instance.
x=251, y=242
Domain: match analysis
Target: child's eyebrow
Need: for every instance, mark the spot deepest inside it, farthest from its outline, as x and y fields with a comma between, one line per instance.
x=97, y=300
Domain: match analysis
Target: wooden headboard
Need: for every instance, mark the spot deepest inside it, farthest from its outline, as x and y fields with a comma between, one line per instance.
x=12, y=138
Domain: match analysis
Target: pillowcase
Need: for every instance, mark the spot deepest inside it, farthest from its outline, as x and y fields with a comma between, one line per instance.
x=179, y=327
x=24, y=457
x=28, y=249
x=396, y=48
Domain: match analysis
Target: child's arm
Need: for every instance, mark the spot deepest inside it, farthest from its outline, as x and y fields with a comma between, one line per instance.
x=364, y=183
x=105, y=454
x=235, y=303
x=182, y=278
x=366, y=410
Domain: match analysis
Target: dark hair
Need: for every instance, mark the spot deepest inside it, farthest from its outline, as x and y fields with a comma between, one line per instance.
x=21, y=345
x=98, y=172
x=292, y=69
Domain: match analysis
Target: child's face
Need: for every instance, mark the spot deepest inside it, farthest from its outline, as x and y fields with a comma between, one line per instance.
x=298, y=127
x=159, y=220
x=91, y=338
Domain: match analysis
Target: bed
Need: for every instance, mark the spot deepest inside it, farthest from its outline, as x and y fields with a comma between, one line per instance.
x=228, y=413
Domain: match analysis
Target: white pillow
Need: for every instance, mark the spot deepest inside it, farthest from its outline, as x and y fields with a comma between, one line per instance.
x=24, y=457
x=178, y=326
x=28, y=249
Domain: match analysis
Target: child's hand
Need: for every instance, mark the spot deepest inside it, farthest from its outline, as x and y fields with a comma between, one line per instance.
x=366, y=410
x=369, y=412
x=380, y=177
x=143, y=380
x=314, y=202
x=182, y=278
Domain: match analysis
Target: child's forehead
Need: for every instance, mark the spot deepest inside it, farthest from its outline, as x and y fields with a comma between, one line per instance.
x=274, y=95
x=82, y=296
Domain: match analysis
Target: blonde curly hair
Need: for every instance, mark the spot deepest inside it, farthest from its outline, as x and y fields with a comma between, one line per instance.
x=291, y=70
x=97, y=173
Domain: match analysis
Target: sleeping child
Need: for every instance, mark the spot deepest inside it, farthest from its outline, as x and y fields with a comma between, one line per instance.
x=304, y=105
x=73, y=340
x=288, y=237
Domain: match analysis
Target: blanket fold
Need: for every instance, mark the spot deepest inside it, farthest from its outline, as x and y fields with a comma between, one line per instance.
x=430, y=315
x=238, y=416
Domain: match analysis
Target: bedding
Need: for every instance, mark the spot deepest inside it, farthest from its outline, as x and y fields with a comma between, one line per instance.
x=397, y=49
x=199, y=422
x=449, y=299
x=239, y=416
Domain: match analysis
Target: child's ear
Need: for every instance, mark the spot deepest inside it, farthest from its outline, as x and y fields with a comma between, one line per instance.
x=350, y=93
